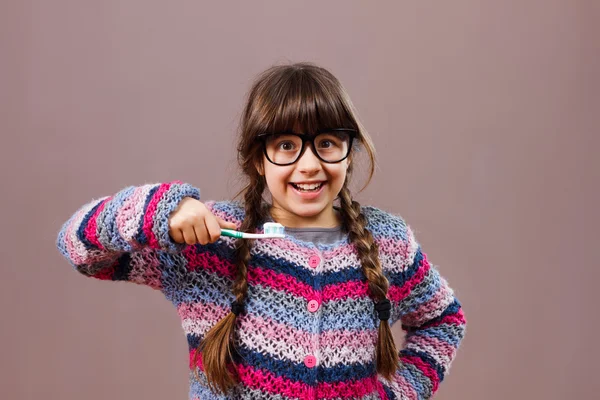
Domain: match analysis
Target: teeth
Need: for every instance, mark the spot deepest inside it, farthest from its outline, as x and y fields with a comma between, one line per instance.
x=312, y=186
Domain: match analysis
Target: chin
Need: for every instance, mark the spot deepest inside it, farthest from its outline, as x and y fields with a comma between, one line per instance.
x=308, y=210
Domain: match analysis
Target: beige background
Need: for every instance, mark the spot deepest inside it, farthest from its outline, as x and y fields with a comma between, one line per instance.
x=485, y=115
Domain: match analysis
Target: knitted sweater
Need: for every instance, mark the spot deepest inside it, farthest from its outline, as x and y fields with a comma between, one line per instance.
x=310, y=328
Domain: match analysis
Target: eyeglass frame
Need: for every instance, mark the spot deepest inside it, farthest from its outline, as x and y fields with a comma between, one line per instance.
x=352, y=133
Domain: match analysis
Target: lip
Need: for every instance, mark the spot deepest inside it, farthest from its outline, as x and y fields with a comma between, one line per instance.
x=308, y=195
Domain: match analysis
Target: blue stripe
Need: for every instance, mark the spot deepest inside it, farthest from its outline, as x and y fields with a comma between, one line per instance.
x=384, y=224
x=427, y=359
x=200, y=391
x=108, y=218
x=83, y=225
x=407, y=372
x=296, y=371
x=181, y=286
x=141, y=236
x=400, y=278
x=452, y=309
x=441, y=332
x=390, y=395
x=301, y=273
x=281, y=307
x=423, y=292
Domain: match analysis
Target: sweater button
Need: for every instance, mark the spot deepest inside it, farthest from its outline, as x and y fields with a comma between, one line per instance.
x=313, y=305
x=313, y=261
x=310, y=361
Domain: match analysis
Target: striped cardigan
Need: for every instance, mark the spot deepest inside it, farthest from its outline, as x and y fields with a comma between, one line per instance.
x=310, y=328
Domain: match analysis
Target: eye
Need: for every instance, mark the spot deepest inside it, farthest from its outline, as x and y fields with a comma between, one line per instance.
x=329, y=142
x=324, y=144
x=286, y=146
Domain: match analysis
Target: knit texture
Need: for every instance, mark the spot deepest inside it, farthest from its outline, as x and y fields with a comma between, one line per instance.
x=309, y=329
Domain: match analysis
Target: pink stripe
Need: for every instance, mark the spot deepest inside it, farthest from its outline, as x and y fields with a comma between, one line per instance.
x=344, y=250
x=286, y=246
x=264, y=380
x=265, y=327
x=293, y=337
x=406, y=387
x=199, y=311
x=399, y=293
x=349, y=389
x=381, y=391
x=292, y=248
x=209, y=262
x=146, y=268
x=452, y=319
x=151, y=211
x=273, y=279
x=440, y=346
x=425, y=368
x=351, y=289
x=431, y=308
x=267, y=382
x=289, y=284
x=91, y=228
x=349, y=339
x=126, y=215
x=75, y=256
x=222, y=214
x=269, y=278
x=395, y=247
x=107, y=273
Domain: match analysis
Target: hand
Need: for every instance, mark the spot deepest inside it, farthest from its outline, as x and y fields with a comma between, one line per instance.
x=193, y=223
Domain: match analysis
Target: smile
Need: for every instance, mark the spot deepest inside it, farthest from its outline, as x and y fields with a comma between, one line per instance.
x=313, y=187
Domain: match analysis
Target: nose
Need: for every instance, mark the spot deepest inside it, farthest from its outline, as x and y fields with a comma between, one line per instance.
x=308, y=161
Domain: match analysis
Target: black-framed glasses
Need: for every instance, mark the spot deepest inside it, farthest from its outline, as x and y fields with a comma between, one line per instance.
x=329, y=145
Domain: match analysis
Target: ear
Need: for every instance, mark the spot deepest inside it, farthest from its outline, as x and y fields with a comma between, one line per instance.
x=260, y=167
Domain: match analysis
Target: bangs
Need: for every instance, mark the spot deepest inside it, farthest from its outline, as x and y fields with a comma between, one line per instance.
x=305, y=103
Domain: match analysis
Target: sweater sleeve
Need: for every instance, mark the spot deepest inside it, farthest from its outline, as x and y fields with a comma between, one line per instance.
x=125, y=237
x=432, y=317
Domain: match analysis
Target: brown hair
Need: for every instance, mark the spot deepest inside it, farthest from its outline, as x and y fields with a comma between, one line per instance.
x=281, y=98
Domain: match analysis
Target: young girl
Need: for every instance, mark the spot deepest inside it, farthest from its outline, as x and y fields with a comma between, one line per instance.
x=306, y=316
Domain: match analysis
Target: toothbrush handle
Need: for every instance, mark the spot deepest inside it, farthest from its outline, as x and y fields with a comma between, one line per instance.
x=232, y=233
x=242, y=235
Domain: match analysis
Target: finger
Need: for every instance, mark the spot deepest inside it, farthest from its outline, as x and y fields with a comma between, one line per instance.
x=213, y=229
x=189, y=235
x=201, y=232
x=177, y=235
x=225, y=224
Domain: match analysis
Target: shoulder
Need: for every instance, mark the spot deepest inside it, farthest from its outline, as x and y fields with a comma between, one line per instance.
x=395, y=238
x=384, y=224
x=228, y=210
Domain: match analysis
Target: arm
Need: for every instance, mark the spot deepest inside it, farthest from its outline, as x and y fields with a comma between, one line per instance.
x=120, y=237
x=433, y=319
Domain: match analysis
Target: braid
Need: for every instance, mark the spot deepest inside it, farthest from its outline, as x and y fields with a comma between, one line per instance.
x=217, y=346
x=368, y=252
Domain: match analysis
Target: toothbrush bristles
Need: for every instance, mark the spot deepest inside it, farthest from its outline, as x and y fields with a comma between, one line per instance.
x=273, y=228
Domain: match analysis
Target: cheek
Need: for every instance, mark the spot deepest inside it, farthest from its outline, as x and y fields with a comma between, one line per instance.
x=277, y=178
x=338, y=174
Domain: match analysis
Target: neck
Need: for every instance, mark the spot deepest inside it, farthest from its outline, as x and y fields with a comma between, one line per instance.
x=328, y=218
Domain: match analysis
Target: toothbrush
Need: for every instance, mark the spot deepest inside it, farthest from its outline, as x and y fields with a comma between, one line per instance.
x=271, y=230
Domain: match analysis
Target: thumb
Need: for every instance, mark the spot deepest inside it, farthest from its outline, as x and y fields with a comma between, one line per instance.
x=225, y=224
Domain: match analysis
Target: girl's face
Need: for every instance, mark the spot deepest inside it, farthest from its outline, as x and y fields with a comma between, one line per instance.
x=295, y=207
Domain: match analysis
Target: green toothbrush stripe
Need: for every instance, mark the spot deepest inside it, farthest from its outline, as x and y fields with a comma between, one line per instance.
x=231, y=233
